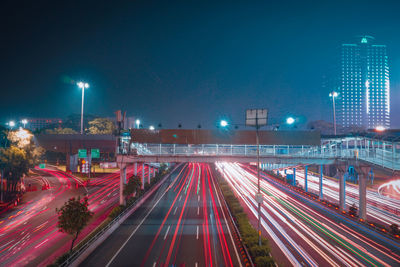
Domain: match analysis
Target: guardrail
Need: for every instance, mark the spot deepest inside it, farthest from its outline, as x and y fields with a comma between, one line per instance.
x=76, y=253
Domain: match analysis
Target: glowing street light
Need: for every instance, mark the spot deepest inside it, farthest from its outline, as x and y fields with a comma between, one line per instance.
x=11, y=124
x=83, y=86
x=290, y=120
x=380, y=129
x=137, y=123
x=24, y=122
x=334, y=94
x=151, y=128
x=223, y=123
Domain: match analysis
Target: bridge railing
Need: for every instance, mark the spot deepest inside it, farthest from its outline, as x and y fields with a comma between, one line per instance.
x=217, y=149
x=385, y=158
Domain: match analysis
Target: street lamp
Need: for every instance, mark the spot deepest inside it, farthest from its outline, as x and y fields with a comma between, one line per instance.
x=257, y=118
x=223, y=123
x=83, y=86
x=151, y=128
x=11, y=124
x=137, y=123
x=24, y=122
x=334, y=94
x=290, y=120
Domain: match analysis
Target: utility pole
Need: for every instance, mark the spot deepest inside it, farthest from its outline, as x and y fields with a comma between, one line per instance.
x=257, y=118
x=334, y=95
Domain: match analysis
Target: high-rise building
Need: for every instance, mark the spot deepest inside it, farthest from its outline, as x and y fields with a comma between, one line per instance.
x=364, y=99
x=42, y=123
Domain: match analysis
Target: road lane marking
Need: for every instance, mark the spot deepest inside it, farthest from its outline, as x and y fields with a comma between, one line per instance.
x=137, y=227
x=180, y=198
x=175, y=210
x=6, y=244
x=42, y=243
x=154, y=264
x=226, y=222
x=198, y=210
x=196, y=264
x=198, y=198
x=166, y=233
x=197, y=234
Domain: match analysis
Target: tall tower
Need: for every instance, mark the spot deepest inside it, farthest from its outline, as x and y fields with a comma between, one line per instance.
x=364, y=99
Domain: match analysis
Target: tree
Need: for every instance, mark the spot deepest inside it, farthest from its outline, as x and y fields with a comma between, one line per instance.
x=3, y=137
x=23, y=139
x=16, y=159
x=73, y=121
x=61, y=131
x=73, y=216
x=14, y=163
x=101, y=126
x=133, y=186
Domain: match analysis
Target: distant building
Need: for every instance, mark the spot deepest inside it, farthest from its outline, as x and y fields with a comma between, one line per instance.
x=129, y=122
x=35, y=124
x=364, y=94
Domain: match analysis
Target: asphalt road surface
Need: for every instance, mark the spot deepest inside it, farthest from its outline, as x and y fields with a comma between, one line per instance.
x=303, y=232
x=28, y=233
x=380, y=209
x=184, y=223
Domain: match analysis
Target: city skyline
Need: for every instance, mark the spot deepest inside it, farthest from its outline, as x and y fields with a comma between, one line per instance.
x=161, y=62
x=200, y=133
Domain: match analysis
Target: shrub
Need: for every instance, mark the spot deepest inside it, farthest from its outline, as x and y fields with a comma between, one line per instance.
x=260, y=254
x=116, y=211
x=264, y=261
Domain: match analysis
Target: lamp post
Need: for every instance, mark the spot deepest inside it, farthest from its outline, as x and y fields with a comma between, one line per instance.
x=24, y=122
x=334, y=94
x=83, y=86
x=137, y=123
x=11, y=124
x=257, y=118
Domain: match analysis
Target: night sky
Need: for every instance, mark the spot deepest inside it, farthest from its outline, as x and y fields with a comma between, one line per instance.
x=186, y=62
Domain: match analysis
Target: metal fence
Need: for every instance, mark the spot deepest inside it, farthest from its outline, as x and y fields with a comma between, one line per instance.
x=76, y=253
x=375, y=151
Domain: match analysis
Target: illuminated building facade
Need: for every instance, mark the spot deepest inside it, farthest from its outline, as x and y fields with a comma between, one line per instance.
x=364, y=99
x=35, y=124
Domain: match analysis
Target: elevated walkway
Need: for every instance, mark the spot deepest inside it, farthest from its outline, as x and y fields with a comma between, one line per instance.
x=240, y=147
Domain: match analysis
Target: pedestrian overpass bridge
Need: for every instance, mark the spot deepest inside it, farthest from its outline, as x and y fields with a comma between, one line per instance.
x=275, y=147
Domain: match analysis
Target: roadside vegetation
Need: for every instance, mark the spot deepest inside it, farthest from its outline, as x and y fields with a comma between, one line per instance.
x=260, y=255
x=132, y=193
x=18, y=153
x=73, y=216
x=95, y=125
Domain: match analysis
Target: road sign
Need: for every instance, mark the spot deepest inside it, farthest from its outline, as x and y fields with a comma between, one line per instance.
x=95, y=153
x=85, y=168
x=256, y=117
x=82, y=153
x=42, y=166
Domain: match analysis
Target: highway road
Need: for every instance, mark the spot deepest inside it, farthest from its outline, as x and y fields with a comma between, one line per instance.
x=380, y=209
x=184, y=223
x=29, y=235
x=303, y=232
